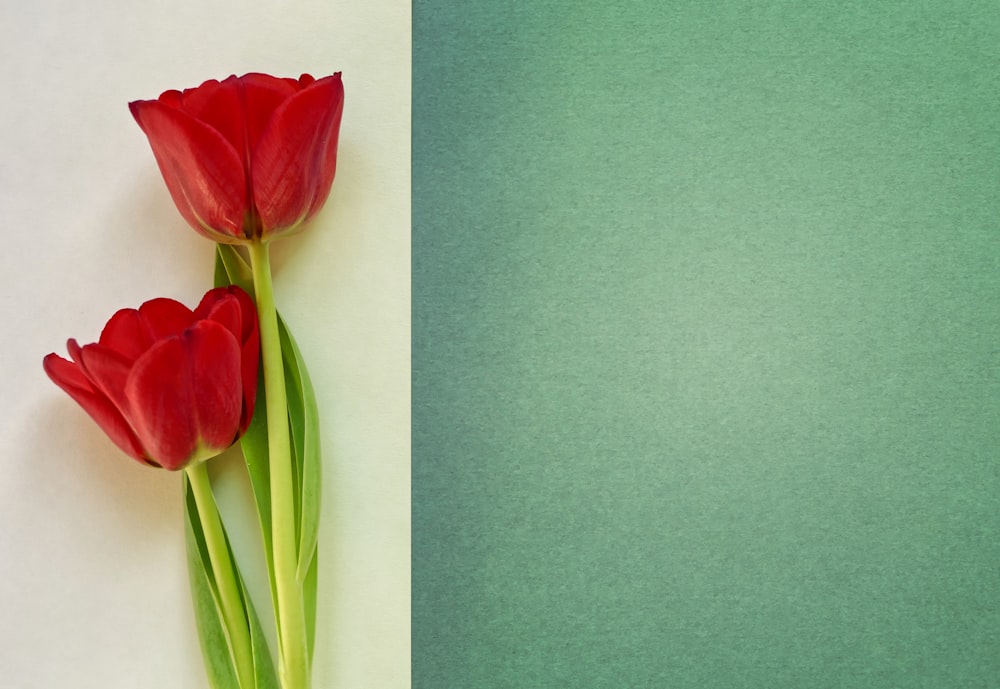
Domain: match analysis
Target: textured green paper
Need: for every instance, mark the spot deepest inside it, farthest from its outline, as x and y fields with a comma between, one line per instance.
x=706, y=322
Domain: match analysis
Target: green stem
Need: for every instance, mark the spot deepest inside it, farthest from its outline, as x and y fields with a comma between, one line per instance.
x=289, y=608
x=226, y=583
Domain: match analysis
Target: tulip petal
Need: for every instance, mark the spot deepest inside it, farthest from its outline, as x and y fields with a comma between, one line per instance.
x=262, y=95
x=238, y=107
x=250, y=365
x=74, y=383
x=294, y=163
x=203, y=171
x=74, y=350
x=185, y=394
x=125, y=334
x=108, y=371
x=231, y=295
x=217, y=384
x=223, y=308
x=215, y=306
x=131, y=332
x=158, y=389
x=217, y=104
x=165, y=317
x=249, y=310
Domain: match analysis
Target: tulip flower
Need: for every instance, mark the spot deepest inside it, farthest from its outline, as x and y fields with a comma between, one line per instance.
x=248, y=158
x=170, y=386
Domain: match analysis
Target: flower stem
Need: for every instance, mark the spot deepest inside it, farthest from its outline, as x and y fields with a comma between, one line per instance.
x=230, y=599
x=289, y=607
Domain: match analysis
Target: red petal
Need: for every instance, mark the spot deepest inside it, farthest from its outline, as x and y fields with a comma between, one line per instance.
x=66, y=374
x=244, y=302
x=249, y=310
x=217, y=104
x=217, y=382
x=131, y=332
x=222, y=307
x=250, y=367
x=327, y=150
x=294, y=164
x=203, y=171
x=125, y=334
x=108, y=371
x=262, y=95
x=239, y=107
x=251, y=354
x=185, y=391
x=217, y=305
x=160, y=403
x=165, y=317
x=74, y=349
x=71, y=379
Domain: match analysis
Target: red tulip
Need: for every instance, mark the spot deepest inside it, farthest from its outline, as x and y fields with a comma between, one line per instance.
x=170, y=386
x=250, y=157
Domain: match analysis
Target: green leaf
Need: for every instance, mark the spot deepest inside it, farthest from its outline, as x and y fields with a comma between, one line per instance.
x=309, y=601
x=263, y=663
x=303, y=415
x=232, y=269
x=255, y=455
x=219, y=662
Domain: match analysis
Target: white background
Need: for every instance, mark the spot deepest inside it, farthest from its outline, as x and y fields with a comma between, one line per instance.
x=93, y=581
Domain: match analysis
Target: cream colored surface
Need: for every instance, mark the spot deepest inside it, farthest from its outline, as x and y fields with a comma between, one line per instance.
x=93, y=582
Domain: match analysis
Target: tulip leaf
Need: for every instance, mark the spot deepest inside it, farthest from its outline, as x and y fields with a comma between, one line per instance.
x=309, y=602
x=232, y=269
x=303, y=415
x=255, y=455
x=221, y=276
x=263, y=663
x=220, y=664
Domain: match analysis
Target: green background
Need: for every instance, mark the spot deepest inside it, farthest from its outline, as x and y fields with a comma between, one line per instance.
x=706, y=315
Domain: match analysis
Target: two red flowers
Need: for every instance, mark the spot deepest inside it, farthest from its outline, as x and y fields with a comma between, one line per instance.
x=245, y=160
